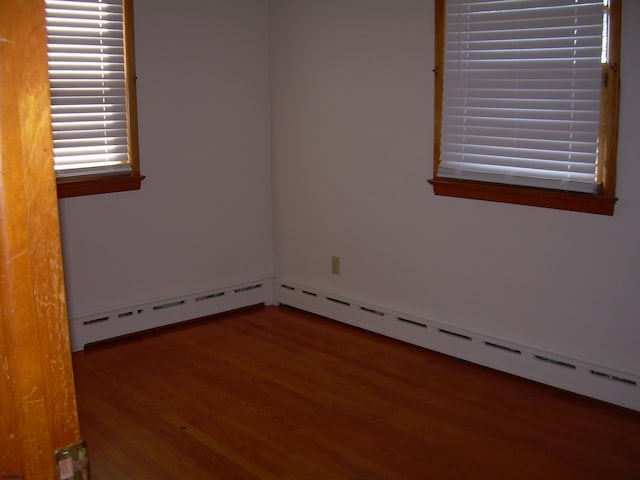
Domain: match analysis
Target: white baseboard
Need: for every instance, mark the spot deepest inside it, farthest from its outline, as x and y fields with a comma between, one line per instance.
x=579, y=376
x=117, y=322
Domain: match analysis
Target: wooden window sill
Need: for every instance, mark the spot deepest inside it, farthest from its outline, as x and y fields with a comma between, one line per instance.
x=538, y=197
x=78, y=187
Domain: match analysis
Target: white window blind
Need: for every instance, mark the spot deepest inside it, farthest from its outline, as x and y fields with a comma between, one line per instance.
x=522, y=89
x=88, y=87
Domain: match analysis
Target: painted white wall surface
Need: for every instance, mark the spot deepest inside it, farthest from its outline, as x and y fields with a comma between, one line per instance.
x=203, y=218
x=352, y=121
x=337, y=165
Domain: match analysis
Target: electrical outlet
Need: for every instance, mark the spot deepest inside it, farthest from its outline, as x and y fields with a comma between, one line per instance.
x=335, y=265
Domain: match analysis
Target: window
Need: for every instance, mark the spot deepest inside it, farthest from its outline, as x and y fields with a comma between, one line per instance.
x=93, y=96
x=527, y=102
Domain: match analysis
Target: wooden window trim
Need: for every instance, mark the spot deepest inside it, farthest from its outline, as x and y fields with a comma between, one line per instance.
x=80, y=186
x=536, y=197
x=77, y=187
x=601, y=203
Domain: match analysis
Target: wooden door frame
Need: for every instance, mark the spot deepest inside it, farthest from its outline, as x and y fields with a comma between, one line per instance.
x=38, y=411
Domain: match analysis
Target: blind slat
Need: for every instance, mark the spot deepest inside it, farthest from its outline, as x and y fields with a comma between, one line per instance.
x=64, y=137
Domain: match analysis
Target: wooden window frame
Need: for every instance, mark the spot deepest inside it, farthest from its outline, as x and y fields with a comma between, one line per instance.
x=602, y=202
x=109, y=183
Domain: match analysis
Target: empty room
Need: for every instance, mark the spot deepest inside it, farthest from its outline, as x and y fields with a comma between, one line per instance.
x=372, y=302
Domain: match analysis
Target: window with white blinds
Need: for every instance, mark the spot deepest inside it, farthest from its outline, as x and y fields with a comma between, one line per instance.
x=522, y=88
x=87, y=70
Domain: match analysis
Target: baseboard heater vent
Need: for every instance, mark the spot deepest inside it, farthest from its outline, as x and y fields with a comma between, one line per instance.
x=598, y=381
x=372, y=311
x=339, y=302
x=454, y=334
x=130, y=313
x=102, y=326
x=502, y=347
x=209, y=296
x=168, y=305
x=411, y=322
x=247, y=288
x=553, y=361
x=614, y=378
x=95, y=320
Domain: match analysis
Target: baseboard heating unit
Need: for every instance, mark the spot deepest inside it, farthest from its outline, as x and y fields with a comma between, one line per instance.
x=552, y=368
x=117, y=322
x=576, y=375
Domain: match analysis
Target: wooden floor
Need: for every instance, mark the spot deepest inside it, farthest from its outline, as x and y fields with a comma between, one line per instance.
x=274, y=393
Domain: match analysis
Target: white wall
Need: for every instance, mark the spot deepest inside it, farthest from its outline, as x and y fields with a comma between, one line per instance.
x=203, y=218
x=352, y=116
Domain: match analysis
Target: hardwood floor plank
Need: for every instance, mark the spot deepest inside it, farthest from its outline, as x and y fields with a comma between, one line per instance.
x=275, y=393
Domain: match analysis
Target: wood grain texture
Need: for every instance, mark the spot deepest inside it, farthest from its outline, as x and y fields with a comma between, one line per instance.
x=610, y=104
x=537, y=197
x=78, y=187
x=37, y=398
x=274, y=393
